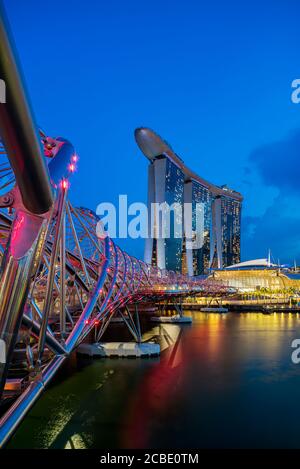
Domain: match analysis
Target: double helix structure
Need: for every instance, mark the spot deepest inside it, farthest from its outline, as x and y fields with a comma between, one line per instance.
x=58, y=280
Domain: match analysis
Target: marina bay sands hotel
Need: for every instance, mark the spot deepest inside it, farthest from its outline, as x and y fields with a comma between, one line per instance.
x=218, y=208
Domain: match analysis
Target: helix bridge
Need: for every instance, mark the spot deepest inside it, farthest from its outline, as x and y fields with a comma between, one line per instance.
x=59, y=280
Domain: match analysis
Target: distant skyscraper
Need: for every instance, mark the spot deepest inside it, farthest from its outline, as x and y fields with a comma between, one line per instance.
x=207, y=232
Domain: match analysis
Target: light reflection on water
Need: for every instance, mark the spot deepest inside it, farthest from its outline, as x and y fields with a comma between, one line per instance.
x=225, y=381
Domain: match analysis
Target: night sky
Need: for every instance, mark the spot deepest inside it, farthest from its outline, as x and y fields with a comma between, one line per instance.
x=213, y=78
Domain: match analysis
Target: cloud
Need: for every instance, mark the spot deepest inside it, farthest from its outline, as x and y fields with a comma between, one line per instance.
x=278, y=163
x=278, y=228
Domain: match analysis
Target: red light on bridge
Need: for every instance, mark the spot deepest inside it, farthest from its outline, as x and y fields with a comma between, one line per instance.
x=86, y=322
x=64, y=184
x=72, y=167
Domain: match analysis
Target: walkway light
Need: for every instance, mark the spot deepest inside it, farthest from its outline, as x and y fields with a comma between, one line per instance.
x=64, y=184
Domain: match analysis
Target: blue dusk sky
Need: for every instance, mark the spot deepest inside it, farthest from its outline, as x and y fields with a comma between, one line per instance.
x=212, y=78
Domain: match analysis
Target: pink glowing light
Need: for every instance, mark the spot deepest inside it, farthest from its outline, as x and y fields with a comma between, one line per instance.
x=64, y=184
x=17, y=229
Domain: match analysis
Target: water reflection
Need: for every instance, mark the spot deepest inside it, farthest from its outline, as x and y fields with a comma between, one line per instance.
x=225, y=381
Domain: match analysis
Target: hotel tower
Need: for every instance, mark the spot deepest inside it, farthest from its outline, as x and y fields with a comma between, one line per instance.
x=204, y=229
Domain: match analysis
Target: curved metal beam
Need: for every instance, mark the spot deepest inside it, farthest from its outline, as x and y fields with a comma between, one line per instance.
x=18, y=130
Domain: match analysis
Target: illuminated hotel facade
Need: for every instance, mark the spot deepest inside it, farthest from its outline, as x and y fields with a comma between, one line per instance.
x=210, y=214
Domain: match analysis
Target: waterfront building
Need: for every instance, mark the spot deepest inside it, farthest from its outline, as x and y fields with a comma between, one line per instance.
x=226, y=233
x=208, y=229
x=258, y=276
x=165, y=184
x=200, y=198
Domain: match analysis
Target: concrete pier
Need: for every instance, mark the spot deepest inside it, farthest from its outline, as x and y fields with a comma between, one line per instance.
x=120, y=349
x=176, y=319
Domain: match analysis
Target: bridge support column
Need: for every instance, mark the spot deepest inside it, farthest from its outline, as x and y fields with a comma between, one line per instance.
x=174, y=319
x=19, y=264
x=136, y=349
x=178, y=308
x=133, y=325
